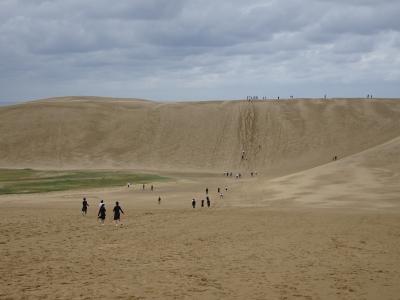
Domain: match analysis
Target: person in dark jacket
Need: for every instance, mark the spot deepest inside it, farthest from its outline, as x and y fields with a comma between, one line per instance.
x=85, y=205
x=102, y=213
x=117, y=213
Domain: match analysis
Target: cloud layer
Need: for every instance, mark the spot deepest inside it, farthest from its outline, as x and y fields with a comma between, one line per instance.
x=198, y=49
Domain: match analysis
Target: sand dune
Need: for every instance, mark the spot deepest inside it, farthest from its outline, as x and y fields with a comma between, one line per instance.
x=278, y=137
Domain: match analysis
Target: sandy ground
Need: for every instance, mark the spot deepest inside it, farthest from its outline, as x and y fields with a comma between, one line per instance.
x=278, y=249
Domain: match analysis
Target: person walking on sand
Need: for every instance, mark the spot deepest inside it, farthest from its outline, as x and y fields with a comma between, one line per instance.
x=194, y=203
x=159, y=200
x=221, y=196
x=102, y=213
x=202, y=202
x=208, y=202
x=117, y=213
x=219, y=189
x=206, y=190
x=152, y=187
x=85, y=205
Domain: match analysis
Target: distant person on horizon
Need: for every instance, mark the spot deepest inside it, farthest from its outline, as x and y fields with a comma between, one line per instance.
x=159, y=200
x=152, y=187
x=85, y=205
x=143, y=186
x=206, y=190
x=194, y=203
x=102, y=213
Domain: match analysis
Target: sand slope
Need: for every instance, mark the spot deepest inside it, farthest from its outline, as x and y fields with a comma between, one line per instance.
x=279, y=137
x=369, y=180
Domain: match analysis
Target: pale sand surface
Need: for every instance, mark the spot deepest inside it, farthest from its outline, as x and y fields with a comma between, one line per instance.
x=278, y=249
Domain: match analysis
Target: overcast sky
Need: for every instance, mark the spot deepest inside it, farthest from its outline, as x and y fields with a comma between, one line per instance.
x=199, y=49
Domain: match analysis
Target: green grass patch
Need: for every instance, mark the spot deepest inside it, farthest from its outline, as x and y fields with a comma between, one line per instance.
x=26, y=181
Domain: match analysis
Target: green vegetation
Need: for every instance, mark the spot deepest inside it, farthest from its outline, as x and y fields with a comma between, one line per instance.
x=24, y=181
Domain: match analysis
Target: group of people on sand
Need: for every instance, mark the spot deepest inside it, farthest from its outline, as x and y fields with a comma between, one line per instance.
x=143, y=186
x=239, y=175
x=117, y=210
x=251, y=98
x=202, y=202
x=207, y=200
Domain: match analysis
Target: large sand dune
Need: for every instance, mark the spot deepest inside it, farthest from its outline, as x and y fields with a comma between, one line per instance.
x=278, y=137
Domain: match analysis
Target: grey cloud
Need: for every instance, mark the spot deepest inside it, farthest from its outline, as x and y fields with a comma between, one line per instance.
x=157, y=47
